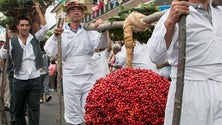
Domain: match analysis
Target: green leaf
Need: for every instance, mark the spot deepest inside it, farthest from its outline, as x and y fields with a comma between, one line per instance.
x=146, y=9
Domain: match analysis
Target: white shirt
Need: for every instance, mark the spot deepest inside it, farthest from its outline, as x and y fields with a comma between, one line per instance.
x=77, y=49
x=28, y=68
x=140, y=57
x=203, y=47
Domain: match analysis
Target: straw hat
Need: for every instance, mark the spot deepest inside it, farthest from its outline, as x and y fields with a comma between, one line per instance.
x=72, y=4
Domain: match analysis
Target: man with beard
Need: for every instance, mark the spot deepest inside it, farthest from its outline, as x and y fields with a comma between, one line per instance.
x=26, y=54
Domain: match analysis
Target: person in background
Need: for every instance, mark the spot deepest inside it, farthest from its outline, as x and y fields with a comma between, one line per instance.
x=27, y=59
x=112, y=61
x=113, y=3
x=53, y=74
x=45, y=78
x=140, y=57
x=164, y=69
x=97, y=7
x=78, y=46
x=7, y=88
x=202, y=95
x=100, y=58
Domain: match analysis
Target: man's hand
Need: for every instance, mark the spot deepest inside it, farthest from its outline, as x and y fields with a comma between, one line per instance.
x=58, y=31
x=96, y=23
x=37, y=7
x=178, y=8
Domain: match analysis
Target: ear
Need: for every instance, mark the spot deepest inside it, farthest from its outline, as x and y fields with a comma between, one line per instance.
x=83, y=15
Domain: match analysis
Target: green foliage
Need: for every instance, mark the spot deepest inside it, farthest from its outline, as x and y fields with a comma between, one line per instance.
x=48, y=35
x=7, y=20
x=6, y=5
x=143, y=36
x=145, y=9
x=14, y=8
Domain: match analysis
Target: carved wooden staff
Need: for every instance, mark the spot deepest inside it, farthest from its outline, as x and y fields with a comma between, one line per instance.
x=180, y=71
x=181, y=66
x=4, y=80
x=59, y=73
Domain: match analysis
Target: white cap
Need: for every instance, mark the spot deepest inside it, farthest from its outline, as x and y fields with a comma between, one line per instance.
x=2, y=37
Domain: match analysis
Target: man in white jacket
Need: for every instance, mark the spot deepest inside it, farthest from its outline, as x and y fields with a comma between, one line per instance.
x=202, y=95
x=140, y=57
x=78, y=46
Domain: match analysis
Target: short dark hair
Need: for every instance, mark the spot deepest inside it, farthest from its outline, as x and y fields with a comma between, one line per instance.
x=23, y=18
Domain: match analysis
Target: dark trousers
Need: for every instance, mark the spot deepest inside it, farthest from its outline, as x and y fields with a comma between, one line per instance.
x=27, y=94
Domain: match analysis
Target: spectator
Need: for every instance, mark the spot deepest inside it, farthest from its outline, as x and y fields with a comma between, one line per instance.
x=140, y=57
x=45, y=79
x=113, y=3
x=112, y=61
x=26, y=55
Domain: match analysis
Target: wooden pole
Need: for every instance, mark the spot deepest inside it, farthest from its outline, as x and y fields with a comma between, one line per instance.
x=181, y=66
x=4, y=81
x=119, y=24
x=59, y=74
x=180, y=71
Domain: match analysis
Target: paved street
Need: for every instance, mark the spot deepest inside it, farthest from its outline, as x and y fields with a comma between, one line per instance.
x=48, y=112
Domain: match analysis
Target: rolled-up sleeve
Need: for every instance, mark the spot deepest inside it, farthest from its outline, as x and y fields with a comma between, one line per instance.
x=157, y=46
x=40, y=34
x=158, y=52
x=50, y=47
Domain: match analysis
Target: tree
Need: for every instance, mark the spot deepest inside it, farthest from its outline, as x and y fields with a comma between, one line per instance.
x=12, y=9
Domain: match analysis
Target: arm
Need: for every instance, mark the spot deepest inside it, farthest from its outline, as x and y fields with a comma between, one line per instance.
x=99, y=40
x=44, y=28
x=178, y=8
x=40, y=14
x=7, y=44
x=50, y=47
x=159, y=66
x=166, y=32
x=109, y=47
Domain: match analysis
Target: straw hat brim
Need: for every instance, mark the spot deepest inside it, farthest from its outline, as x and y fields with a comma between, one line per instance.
x=69, y=7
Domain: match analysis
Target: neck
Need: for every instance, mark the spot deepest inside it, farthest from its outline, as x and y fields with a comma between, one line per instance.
x=23, y=38
x=204, y=2
x=74, y=26
x=199, y=1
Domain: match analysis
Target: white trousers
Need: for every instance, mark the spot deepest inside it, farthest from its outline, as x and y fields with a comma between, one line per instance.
x=201, y=105
x=75, y=90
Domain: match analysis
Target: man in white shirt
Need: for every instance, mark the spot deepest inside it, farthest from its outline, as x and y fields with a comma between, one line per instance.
x=78, y=46
x=27, y=59
x=140, y=57
x=202, y=95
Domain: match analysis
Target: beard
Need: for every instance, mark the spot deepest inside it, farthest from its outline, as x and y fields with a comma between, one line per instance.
x=24, y=33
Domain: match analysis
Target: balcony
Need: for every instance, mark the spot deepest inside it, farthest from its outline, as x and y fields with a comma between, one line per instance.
x=108, y=10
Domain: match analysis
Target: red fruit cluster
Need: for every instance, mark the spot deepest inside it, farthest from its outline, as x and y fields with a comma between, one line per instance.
x=127, y=97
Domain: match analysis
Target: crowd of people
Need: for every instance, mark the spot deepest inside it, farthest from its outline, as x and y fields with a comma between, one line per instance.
x=99, y=5
x=88, y=55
